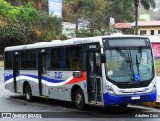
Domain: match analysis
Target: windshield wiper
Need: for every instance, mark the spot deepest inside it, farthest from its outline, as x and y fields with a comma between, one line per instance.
x=138, y=58
x=139, y=55
x=128, y=59
x=123, y=55
x=137, y=63
x=131, y=65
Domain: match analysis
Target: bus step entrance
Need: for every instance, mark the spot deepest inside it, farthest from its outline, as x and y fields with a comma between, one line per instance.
x=97, y=104
x=42, y=96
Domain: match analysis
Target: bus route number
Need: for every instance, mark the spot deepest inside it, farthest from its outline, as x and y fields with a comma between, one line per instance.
x=92, y=46
x=58, y=75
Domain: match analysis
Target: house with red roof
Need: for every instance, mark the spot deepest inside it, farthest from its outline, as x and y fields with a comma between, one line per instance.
x=148, y=27
x=144, y=27
x=125, y=28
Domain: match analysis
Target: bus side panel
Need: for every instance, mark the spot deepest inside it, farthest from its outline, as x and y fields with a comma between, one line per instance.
x=60, y=84
x=57, y=84
x=8, y=79
x=30, y=76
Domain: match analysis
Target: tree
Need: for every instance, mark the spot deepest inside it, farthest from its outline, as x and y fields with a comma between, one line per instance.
x=147, y=4
x=98, y=12
x=16, y=27
x=94, y=12
x=45, y=28
x=7, y=10
x=91, y=10
x=20, y=23
x=121, y=10
x=36, y=3
x=72, y=10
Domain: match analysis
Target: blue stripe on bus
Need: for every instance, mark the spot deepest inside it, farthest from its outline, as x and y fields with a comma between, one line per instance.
x=9, y=76
x=110, y=99
x=36, y=77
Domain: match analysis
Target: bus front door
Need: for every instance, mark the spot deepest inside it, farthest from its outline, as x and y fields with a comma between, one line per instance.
x=16, y=81
x=42, y=74
x=94, y=77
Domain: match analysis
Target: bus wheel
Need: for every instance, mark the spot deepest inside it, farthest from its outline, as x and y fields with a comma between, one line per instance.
x=79, y=99
x=28, y=93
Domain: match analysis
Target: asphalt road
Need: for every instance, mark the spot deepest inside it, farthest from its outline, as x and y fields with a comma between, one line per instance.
x=16, y=105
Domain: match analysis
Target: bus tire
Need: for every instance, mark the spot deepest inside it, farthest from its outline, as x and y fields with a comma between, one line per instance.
x=79, y=99
x=28, y=93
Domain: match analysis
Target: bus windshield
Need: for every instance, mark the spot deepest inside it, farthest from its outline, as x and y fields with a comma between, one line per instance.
x=128, y=65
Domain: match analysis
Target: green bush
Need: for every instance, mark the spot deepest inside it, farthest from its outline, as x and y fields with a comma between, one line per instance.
x=23, y=24
x=45, y=27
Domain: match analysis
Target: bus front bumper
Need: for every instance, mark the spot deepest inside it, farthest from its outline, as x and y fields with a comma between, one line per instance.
x=126, y=99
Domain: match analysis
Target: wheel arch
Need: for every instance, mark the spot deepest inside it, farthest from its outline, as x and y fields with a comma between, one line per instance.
x=73, y=90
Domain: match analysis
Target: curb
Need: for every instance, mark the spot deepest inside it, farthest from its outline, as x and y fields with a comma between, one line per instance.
x=152, y=104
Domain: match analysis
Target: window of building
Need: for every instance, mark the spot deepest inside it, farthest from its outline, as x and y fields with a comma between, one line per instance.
x=30, y=59
x=158, y=31
x=152, y=32
x=142, y=32
x=8, y=60
x=74, y=58
x=58, y=58
x=23, y=59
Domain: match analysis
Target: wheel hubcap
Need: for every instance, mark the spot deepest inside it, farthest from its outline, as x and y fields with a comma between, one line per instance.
x=27, y=94
x=79, y=99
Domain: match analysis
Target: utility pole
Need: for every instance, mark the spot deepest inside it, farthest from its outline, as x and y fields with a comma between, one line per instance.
x=136, y=3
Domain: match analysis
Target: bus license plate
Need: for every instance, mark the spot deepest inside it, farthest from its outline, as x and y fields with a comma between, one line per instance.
x=135, y=97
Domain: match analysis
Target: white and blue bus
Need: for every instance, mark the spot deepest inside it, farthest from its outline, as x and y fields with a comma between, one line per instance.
x=100, y=71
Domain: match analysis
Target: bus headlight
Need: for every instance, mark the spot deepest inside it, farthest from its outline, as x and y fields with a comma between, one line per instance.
x=154, y=87
x=110, y=90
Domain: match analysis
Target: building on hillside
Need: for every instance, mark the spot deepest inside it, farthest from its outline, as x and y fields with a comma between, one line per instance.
x=148, y=27
x=144, y=27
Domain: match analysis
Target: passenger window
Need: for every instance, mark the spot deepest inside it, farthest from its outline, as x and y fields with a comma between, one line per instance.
x=30, y=59
x=58, y=58
x=8, y=60
x=74, y=58
x=23, y=62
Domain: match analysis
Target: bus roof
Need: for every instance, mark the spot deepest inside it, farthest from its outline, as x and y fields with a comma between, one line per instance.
x=74, y=41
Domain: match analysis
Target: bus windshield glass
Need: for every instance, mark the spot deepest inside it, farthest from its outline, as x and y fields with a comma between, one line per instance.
x=128, y=65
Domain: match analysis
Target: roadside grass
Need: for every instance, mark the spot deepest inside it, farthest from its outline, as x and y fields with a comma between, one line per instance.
x=1, y=64
x=157, y=66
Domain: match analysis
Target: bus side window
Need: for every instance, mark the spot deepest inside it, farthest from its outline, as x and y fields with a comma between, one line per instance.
x=58, y=58
x=8, y=60
x=74, y=58
x=23, y=59
x=30, y=59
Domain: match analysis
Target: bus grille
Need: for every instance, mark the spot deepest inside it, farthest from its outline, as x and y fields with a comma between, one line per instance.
x=132, y=85
x=125, y=100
